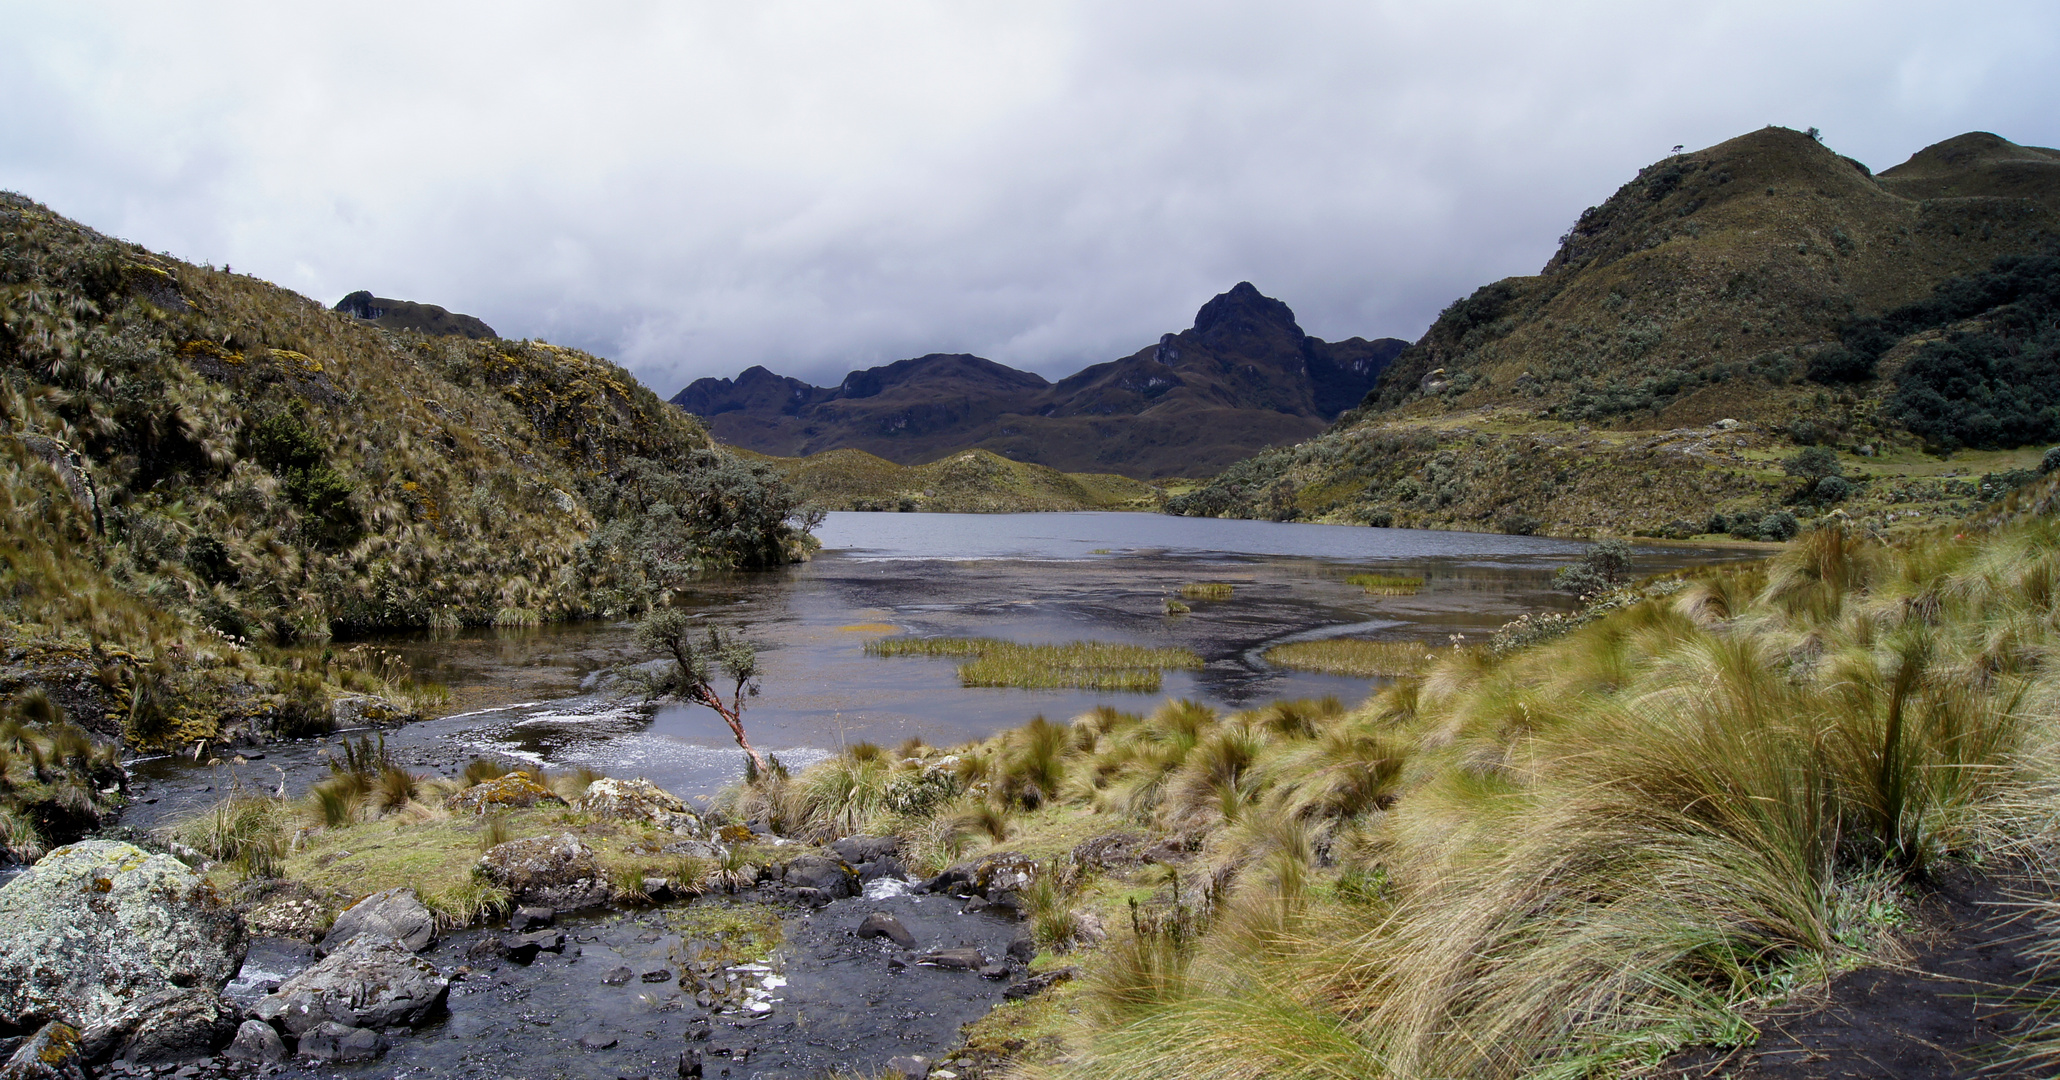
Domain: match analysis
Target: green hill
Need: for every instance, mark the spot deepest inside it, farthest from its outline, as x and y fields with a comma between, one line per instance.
x=975, y=481
x=1765, y=281
x=210, y=476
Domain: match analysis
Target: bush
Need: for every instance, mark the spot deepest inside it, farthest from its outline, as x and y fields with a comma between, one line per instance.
x=1779, y=526
x=1833, y=489
x=2050, y=462
x=1602, y=567
x=1813, y=463
x=1838, y=365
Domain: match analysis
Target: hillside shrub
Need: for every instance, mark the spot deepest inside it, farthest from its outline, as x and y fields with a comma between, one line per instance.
x=1779, y=526
x=1837, y=365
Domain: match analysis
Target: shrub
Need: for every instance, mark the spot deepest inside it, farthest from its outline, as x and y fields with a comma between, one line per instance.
x=1779, y=526
x=1812, y=463
x=1832, y=489
x=2050, y=461
x=1838, y=365
x=1601, y=568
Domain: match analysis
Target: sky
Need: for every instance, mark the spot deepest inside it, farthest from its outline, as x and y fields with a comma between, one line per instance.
x=693, y=188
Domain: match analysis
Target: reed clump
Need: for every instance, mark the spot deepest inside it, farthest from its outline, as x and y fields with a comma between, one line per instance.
x=1357, y=657
x=1386, y=584
x=1087, y=665
x=1207, y=590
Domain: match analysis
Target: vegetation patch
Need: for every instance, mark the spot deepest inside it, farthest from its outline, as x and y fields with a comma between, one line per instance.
x=1089, y=665
x=1386, y=584
x=1207, y=590
x=1357, y=657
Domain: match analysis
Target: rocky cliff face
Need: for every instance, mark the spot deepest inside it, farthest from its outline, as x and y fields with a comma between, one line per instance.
x=1243, y=377
x=408, y=315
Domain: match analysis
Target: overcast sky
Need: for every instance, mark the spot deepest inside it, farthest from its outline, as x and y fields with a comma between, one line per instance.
x=693, y=188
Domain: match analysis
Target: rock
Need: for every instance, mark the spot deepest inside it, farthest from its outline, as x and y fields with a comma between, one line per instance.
x=365, y=984
x=526, y=919
x=331, y=1041
x=97, y=925
x=396, y=914
x=522, y=948
x=1037, y=984
x=811, y=897
x=953, y=959
x=640, y=800
x=52, y=1053
x=690, y=1065
x=486, y=950
x=1003, y=872
x=955, y=881
x=865, y=849
x=256, y=1041
x=656, y=975
x=619, y=977
x=513, y=791
x=879, y=924
x=830, y=876
x=1023, y=947
x=886, y=866
x=912, y=1067
x=1109, y=851
x=694, y=849
x=559, y=871
x=595, y=1040
x=1088, y=929
x=176, y=1025
x=995, y=971
x=370, y=710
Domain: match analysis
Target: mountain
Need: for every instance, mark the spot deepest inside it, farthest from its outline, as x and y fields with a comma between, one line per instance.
x=1766, y=281
x=408, y=315
x=1243, y=377
x=210, y=476
x=970, y=482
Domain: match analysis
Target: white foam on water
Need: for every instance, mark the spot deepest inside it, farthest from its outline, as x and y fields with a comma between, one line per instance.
x=888, y=887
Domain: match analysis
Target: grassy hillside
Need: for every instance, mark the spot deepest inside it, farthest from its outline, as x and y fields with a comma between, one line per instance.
x=975, y=481
x=1765, y=280
x=211, y=476
x=1548, y=856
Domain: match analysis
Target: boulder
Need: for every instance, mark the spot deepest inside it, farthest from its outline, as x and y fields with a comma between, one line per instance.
x=556, y=871
x=1003, y=872
x=1037, y=984
x=879, y=924
x=98, y=925
x=522, y=948
x=365, y=984
x=886, y=866
x=52, y=1053
x=331, y=1041
x=864, y=849
x=370, y=710
x=618, y=977
x=526, y=919
x=171, y=1025
x=640, y=800
x=1023, y=946
x=515, y=791
x=827, y=875
x=256, y=1041
x=912, y=1067
x=393, y=915
x=1110, y=851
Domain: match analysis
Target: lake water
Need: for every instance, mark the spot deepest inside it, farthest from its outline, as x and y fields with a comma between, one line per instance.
x=1044, y=578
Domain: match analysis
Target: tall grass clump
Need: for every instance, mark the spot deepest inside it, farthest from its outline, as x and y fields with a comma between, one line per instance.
x=1087, y=665
x=1356, y=657
x=1386, y=584
x=1207, y=590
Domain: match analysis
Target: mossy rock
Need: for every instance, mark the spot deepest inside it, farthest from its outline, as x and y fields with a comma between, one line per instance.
x=511, y=792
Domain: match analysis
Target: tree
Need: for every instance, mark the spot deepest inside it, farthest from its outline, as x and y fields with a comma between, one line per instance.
x=697, y=661
x=1813, y=464
x=1602, y=567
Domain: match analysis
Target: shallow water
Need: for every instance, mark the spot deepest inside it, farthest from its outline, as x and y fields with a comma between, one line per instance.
x=1025, y=577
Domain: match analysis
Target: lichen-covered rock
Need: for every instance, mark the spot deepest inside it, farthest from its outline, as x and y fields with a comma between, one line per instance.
x=826, y=874
x=370, y=710
x=52, y=1053
x=365, y=984
x=393, y=915
x=640, y=800
x=554, y=871
x=1003, y=872
x=514, y=791
x=98, y=925
x=256, y=1041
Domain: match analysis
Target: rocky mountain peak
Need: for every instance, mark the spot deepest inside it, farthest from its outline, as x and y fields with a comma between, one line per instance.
x=1242, y=314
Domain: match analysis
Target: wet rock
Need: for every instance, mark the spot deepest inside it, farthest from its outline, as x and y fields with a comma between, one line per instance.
x=1038, y=984
x=522, y=948
x=1003, y=872
x=953, y=959
x=52, y=1053
x=865, y=849
x=1023, y=947
x=811, y=897
x=912, y=1067
x=640, y=800
x=488, y=949
x=365, y=984
x=995, y=971
x=595, y=1040
x=555, y=871
x=370, y=710
x=690, y=1065
x=175, y=1025
x=954, y=881
x=657, y=975
x=256, y=1041
x=331, y=1041
x=619, y=977
x=830, y=876
x=698, y=1029
x=513, y=791
x=886, y=866
x=98, y=925
x=880, y=924
x=393, y=915
x=526, y=919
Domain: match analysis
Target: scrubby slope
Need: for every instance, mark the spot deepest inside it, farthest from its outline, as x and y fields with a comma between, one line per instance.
x=1729, y=283
x=975, y=481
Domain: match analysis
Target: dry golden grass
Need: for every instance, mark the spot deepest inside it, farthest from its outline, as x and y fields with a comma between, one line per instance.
x=1354, y=656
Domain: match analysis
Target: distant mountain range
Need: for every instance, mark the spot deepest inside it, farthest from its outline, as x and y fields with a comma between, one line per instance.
x=1245, y=377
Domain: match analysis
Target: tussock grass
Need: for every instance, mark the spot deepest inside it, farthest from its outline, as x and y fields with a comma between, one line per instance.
x=1087, y=665
x=1354, y=656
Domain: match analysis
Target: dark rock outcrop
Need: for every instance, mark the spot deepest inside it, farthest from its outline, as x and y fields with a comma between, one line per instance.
x=559, y=872
x=369, y=985
x=409, y=315
x=393, y=915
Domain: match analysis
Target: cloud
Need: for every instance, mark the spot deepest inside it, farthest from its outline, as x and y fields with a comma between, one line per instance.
x=695, y=188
